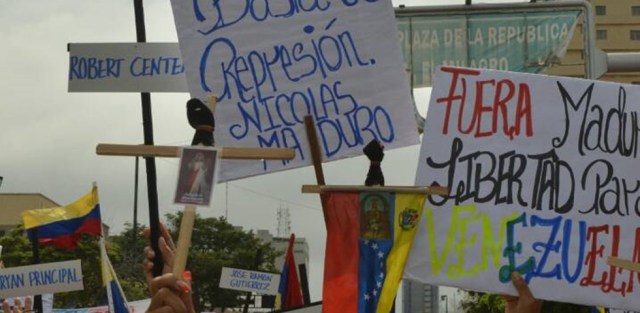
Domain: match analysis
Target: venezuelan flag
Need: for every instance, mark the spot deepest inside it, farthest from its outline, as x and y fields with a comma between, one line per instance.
x=117, y=300
x=62, y=226
x=289, y=292
x=369, y=236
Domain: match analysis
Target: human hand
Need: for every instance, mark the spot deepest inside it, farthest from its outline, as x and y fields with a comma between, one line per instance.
x=524, y=302
x=17, y=306
x=167, y=248
x=170, y=295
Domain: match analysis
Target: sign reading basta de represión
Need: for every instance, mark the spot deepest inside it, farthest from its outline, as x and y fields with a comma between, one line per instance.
x=543, y=179
x=273, y=62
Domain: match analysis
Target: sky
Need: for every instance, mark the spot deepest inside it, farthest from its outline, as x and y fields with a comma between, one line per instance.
x=48, y=136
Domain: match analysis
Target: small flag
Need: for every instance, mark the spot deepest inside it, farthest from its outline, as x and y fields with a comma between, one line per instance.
x=115, y=295
x=289, y=292
x=63, y=226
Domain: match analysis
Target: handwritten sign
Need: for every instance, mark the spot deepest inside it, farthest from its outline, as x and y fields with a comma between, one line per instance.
x=126, y=67
x=273, y=62
x=620, y=311
x=40, y=279
x=252, y=281
x=543, y=179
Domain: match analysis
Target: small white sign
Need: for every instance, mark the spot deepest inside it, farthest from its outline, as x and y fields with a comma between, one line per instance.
x=41, y=279
x=252, y=281
x=126, y=67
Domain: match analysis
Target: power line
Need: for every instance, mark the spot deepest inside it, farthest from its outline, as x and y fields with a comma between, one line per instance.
x=276, y=198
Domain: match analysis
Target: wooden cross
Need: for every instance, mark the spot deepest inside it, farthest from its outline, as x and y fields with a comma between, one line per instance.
x=621, y=263
x=188, y=217
x=430, y=190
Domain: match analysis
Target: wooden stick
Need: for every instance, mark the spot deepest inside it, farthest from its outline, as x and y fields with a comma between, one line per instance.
x=189, y=212
x=173, y=152
x=184, y=241
x=316, y=157
x=433, y=190
x=626, y=264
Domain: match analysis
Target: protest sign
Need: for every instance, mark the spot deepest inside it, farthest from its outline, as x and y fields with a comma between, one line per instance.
x=621, y=311
x=252, y=281
x=125, y=67
x=543, y=179
x=40, y=279
x=272, y=63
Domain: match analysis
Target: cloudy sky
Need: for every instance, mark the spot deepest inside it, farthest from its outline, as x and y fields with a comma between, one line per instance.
x=48, y=136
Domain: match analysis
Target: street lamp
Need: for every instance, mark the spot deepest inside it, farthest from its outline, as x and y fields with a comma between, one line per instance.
x=446, y=303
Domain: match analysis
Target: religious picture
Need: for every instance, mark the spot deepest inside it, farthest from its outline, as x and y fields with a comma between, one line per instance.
x=375, y=221
x=196, y=176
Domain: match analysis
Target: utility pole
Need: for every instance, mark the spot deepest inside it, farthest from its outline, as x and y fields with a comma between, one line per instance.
x=446, y=303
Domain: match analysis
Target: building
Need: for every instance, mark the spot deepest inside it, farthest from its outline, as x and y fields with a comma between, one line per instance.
x=13, y=204
x=419, y=297
x=280, y=244
x=617, y=30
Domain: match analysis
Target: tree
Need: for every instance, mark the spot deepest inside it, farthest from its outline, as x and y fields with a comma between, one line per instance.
x=478, y=302
x=17, y=252
x=216, y=244
x=128, y=254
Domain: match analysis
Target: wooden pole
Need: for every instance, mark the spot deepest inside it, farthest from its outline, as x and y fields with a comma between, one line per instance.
x=431, y=190
x=173, y=152
x=184, y=240
x=625, y=264
x=316, y=157
x=188, y=219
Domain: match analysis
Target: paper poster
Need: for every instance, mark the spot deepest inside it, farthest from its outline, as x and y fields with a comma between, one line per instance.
x=273, y=63
x=126, y=67
x=40, y=279
x=251, y=281
x=543, y=179
x=197, y=176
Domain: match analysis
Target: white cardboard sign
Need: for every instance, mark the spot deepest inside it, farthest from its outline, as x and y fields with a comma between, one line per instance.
x=273, y=62
x=41, y=279
x=252, y=281
x=126, y=67
x=543, y=179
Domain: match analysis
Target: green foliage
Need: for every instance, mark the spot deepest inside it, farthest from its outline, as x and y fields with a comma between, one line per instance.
x=216, y=244
x=478, y=302
x=128, y=249
x=17, y=251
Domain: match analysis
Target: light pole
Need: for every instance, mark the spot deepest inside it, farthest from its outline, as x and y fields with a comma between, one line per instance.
x=446, y=302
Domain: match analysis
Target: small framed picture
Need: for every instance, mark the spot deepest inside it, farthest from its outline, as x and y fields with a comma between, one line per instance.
x=196, y=176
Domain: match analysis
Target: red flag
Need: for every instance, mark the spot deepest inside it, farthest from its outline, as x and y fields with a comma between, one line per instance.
x=289, y=289
x=340, y=288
